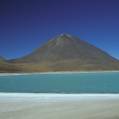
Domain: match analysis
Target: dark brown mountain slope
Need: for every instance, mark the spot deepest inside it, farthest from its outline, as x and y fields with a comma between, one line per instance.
x=66, y=53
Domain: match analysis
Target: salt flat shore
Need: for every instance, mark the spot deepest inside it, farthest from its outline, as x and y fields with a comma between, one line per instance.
x=59, y=106
x=57, y=72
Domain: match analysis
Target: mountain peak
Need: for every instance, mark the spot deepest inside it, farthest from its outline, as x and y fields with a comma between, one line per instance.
x=65, y=35
x=63, y=39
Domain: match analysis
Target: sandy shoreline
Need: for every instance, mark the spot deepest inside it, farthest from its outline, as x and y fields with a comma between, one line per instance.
x=59, y=106
x=61, y=72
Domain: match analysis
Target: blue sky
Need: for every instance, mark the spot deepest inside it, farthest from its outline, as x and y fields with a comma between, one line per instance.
x=27, y=24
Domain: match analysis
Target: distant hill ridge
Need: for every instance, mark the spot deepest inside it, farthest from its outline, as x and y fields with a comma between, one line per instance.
x=66, y=53
x=8, y=67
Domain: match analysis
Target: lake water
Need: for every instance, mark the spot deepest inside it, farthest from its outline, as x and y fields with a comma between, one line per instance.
x=107, y=82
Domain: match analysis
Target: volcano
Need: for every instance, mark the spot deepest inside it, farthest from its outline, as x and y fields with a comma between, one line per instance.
x=66, y=53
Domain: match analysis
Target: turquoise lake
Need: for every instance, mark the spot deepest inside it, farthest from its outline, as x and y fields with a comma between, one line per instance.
x=107, y=82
